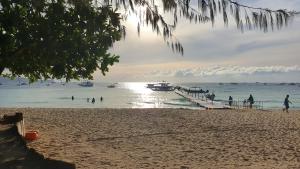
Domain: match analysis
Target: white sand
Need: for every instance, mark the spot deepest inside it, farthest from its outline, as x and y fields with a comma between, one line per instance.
x=167, y=138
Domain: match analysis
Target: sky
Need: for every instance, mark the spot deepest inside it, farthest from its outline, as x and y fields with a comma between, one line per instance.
x=212, y=53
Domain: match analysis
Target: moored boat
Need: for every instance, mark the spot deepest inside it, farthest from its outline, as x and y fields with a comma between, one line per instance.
x=86, y=84
x=111, y=86
x=162, y=86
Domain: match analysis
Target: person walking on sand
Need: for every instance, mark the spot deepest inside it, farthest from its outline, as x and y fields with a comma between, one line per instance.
x=230, y=100
x=72, y=97
x=93, y=100
x=101, y=98
x=251, y=100
x=286, y=103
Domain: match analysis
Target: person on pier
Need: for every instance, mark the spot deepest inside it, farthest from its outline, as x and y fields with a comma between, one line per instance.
x=251, y=101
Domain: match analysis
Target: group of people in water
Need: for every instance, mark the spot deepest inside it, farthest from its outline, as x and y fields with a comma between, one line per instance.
x=250, y=100
x=93, y=100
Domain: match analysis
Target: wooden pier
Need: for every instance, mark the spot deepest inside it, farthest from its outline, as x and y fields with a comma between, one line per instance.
x=203, y=102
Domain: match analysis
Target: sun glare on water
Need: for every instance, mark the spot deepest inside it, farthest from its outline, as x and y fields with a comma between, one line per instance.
x=146, y=97
x=139, y=88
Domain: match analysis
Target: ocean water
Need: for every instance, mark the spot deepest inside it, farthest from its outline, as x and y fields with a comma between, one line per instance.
x=136, y=95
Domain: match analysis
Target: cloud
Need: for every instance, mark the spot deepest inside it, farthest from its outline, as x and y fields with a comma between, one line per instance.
x=254, y=52
x=225, y=70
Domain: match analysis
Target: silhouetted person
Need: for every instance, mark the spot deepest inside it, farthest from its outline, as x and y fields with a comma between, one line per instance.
x=101, y=98
x=93, y=100
x=230, y=100
x=251, y=101
x=72, y=97
x=212, y=97
x=286, y=103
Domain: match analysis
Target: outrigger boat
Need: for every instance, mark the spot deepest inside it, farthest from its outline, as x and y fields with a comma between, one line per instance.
x=162, y=86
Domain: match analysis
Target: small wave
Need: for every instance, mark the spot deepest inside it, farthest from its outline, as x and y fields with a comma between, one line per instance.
x=177, y=104
x=64, y=98
x=149, y=102
x=32, y=102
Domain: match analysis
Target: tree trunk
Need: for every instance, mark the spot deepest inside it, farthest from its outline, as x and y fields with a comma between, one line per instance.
x=1, y=70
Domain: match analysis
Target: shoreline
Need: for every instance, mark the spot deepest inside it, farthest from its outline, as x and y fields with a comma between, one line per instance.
x=138, y=108
x=166, y=138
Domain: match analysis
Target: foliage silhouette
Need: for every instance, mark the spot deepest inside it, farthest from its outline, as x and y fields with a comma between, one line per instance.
x=70, y=38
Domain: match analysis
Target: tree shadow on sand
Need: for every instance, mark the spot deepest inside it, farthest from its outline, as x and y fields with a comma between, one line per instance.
x=14, y=154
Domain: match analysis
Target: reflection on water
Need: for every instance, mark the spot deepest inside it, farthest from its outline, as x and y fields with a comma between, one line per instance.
x=144, y=95
x=147, y=98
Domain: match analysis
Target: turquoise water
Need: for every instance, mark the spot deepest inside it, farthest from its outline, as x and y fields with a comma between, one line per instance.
x=136, y=95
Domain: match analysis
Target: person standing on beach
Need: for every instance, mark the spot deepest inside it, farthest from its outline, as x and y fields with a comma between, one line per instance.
x=212, y=97
x=72, y=97
x=101, y=98
x=251, y=100
x=286, y=103
x=93, y=100
x=230, y=100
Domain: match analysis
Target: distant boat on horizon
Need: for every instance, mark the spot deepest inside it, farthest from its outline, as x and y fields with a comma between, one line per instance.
x=111, y=86
x=86, y=84
x=22, y=84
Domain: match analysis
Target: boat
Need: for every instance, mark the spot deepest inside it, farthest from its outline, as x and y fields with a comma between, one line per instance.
x=150, y=85
x=86, y=84
x=22, y=84
x=111, y=86
x=162, y=86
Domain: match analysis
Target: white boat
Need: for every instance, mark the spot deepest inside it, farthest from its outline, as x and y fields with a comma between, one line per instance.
x=162, y=86
x=86, y=84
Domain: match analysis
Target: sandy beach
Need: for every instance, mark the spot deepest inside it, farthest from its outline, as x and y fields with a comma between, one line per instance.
x=166, y=138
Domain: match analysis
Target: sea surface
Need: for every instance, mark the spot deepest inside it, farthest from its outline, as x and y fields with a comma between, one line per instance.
x=136, y=95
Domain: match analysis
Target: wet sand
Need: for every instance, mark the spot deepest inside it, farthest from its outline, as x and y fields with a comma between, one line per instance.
x=166, y=138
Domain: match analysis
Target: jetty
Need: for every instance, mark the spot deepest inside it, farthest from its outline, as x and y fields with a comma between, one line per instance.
x=196, y=95
x=202, y=98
